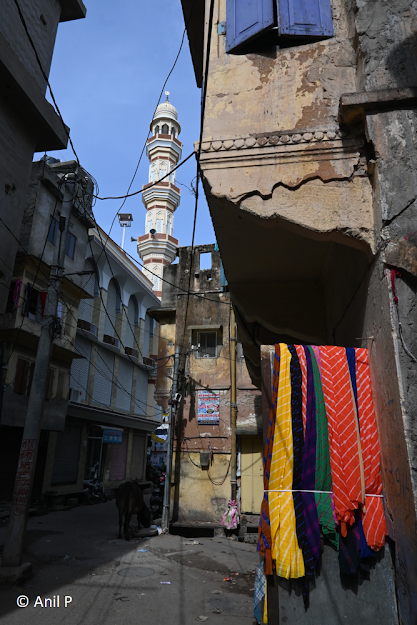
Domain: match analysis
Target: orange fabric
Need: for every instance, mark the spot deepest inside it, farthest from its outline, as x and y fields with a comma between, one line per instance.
x=303, y=364
x=373, y=520
x=344, y=452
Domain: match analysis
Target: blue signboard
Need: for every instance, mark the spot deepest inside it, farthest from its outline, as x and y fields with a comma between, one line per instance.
x=112, y=436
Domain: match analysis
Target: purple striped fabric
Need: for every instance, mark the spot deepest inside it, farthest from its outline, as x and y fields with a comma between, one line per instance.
x=308, y=475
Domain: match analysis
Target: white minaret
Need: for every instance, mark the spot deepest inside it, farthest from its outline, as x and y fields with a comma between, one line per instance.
x=157, y=247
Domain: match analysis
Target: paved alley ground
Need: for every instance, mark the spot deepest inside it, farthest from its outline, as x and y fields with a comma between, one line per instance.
x=77, y=554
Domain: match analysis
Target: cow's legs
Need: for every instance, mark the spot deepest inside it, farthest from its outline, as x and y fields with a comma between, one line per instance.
x=128, y=517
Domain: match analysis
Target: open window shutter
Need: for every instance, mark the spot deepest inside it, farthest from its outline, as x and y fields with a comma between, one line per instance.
x=20, y=380
x=305, y=17
x=246, y=19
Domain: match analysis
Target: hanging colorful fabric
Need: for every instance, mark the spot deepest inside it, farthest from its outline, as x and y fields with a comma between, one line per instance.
x=285, y=549
x=343, y=441
x=264, y=528
x=231, y=517
x=373, y=519
x=303, y=365
x=309, y=466
x=323, y=477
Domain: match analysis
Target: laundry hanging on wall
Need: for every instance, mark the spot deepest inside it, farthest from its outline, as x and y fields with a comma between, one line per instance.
x=321, y=463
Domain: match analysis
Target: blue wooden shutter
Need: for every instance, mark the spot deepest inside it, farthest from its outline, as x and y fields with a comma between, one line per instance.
x=245, y=19
x=305, y=17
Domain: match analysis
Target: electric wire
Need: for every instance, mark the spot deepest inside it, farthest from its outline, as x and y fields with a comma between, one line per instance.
x=203, y=107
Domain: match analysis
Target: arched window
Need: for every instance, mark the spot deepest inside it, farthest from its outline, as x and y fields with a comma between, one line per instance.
x=165, y=129
x=152, y=172
x=172, y=176
x=90, y=284
x=149, y=221
x=113, y=306
x=162, y=169
x=156, y=131
x=169, y=224
x=159, y=221
x=155, y=277
x=173, y=132
x=132, y=316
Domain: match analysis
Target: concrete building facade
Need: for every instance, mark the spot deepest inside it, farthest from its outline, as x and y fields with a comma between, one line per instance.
x=308, y=162
x=51, y=189
x=28, y=123
x=111, y=406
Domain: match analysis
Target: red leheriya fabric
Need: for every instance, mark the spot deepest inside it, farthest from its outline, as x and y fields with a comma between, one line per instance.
x=373, y=519
x=303, y=364
x=343, y=434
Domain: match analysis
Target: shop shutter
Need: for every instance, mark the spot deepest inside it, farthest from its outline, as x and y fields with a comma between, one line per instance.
x=138, y=457
x=124, y=385
x=110, y=319
x=80, y=366
x=103, y=377
x=246, y=19
x=118, y=459
x=67, y=452
x=141, y=394
x=305, y=17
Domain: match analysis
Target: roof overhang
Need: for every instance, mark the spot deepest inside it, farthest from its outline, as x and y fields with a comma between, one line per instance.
x=193, y=11
x=23, y=95
x=72, y=10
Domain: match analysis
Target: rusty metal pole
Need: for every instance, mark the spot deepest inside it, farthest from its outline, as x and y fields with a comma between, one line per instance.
x=233, y=404
x=168, y=475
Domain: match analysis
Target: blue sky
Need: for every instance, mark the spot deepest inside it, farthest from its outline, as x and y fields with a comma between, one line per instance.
x=107, y=72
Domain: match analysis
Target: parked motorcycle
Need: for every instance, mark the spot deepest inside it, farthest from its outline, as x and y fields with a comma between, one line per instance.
x=93, y=489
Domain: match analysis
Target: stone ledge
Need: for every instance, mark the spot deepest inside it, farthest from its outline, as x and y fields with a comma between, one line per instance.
x=273, y=139
x=353, y=106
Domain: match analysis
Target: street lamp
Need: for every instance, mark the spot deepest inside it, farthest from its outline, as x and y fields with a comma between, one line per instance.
x=125, y=220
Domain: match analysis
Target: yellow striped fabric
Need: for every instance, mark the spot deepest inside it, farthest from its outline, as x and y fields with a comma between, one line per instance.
x=285, y=550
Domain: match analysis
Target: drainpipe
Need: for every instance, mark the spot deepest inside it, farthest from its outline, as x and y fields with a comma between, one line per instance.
x=233, y=404
x=172, y=411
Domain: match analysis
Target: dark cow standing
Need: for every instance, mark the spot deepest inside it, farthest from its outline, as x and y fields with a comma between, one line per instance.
x=129, y=501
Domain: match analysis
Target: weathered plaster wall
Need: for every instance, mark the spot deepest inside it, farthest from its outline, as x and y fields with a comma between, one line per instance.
x=197, y=498
x=278, y=89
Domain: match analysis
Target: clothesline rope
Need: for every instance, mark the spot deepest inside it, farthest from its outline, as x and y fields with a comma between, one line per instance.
x=319, y=492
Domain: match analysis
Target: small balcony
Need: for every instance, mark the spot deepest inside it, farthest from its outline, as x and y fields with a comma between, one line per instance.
x=131, y=351
x=87, y=326
x=111, y=340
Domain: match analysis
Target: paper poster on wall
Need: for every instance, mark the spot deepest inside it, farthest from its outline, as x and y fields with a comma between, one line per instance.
x=208, y=408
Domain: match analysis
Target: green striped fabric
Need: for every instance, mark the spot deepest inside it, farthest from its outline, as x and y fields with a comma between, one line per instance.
x=323, y=479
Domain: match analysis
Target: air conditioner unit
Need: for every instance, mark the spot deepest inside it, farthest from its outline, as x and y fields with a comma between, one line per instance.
x=75, y=395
